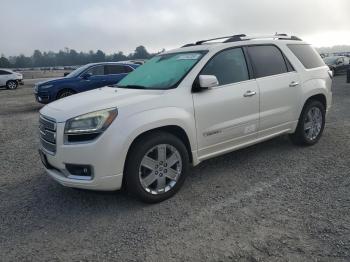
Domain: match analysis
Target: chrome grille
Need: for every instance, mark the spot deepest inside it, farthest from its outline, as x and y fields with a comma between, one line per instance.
x=47, y=128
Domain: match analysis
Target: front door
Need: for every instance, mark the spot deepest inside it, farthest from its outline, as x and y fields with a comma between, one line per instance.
x=226, y=115
x=97, y=79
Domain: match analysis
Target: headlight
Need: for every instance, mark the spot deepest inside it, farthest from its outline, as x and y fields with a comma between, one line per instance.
x=45, y=86
x=95, y=122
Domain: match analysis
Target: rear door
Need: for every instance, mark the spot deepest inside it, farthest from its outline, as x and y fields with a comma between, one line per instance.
x=226, y=115
x=278, y=84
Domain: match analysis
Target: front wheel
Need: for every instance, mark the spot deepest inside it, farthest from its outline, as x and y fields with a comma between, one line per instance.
x=12, y=85
x=311, y=124
x=156, y=167
x=64, y=93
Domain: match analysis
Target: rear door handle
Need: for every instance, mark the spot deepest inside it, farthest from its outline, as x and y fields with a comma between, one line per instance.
x=249, y=93
x=293, y=84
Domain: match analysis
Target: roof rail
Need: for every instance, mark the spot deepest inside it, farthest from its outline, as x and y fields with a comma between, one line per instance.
x=276, y=36
x=243, y=37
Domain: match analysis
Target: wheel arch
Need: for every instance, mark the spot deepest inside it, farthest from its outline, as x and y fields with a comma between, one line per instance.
x=60, y=90
x=175, y=130
x=318, y=97
x=12, y=80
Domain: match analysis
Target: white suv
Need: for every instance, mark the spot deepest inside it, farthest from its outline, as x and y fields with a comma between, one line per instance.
x=182, y=107
x=10, y=79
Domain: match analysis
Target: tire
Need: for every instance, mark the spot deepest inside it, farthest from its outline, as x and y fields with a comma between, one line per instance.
x=310, y=125
x=12, y=85
x=144, y=165
x=64, y=93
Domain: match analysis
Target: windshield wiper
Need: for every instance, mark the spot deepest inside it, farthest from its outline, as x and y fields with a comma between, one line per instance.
x=132, y=87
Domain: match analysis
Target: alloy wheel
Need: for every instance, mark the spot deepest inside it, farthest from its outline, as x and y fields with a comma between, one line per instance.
x=313, y=123
x=160, y=169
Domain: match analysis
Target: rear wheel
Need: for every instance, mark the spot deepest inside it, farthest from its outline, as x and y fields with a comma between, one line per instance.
x=311, y=124
x=64, y=93
x=11, y=84
x=156, y=167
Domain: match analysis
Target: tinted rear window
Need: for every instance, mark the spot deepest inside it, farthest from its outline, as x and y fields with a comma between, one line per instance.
x=114, y=69
x=307, y=55
x=267, y=60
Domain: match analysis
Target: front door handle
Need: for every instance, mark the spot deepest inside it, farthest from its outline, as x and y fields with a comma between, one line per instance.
x=249, y=93
x=293, y=84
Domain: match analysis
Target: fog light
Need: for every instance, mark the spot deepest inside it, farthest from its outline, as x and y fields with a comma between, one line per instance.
x=79, y=170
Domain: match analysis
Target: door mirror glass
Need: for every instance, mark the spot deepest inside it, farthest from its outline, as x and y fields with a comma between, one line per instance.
x=208, y=81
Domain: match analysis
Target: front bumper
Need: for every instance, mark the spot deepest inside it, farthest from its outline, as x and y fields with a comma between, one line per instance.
x=42, y=97
x=108, y=183
x=20, y=82
x=104, y=155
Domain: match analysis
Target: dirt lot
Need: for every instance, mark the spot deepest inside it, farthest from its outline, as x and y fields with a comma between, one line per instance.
x=270, y=202
x=33, y=74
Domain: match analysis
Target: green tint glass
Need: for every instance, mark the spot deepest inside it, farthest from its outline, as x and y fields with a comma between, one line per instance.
x=162, y=71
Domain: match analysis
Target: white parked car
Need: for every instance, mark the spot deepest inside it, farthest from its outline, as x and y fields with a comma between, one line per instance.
x=10, y=79
x=183, y=107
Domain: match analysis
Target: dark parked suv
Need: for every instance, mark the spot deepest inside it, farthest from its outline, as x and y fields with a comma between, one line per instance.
x=84, y=78
x=338, y=64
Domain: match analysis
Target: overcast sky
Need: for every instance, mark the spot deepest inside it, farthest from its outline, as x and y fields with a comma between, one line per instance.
x=113, y=25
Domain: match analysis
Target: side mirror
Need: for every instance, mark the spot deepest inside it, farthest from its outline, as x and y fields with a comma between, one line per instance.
x=86, y=76
x=207, y=81
x=65, y=74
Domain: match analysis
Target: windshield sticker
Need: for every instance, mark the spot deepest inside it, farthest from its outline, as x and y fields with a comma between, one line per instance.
x=194, y=56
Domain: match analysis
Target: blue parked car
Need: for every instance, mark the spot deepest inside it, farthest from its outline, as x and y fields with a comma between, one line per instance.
x=84, y=78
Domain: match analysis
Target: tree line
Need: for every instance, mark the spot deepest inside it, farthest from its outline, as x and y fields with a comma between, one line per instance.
x=69, y=57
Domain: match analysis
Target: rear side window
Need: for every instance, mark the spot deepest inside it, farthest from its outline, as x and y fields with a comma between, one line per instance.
x=228, y=66
x=307, y=55
x=267, y=61
x=115, y=69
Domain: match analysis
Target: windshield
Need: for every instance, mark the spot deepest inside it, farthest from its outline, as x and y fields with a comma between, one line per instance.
x=162, y=72
x=330, y=60
x=78, y=71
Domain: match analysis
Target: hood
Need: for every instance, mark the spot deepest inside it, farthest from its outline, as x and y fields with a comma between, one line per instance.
x=55, y=81
x=94, y=100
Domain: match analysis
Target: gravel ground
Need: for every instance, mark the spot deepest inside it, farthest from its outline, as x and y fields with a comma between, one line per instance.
x=269, y=202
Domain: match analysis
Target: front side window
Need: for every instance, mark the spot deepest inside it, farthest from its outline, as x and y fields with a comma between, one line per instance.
x=307, y=55
x=163, y=71
x=267, y=60
x=229, y=66
x=78, y=71
x=96, y=71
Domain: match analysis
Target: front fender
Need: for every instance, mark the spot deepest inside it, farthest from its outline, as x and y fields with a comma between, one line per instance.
x=139, y=123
